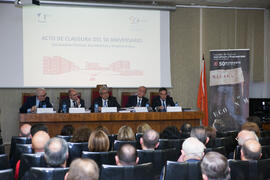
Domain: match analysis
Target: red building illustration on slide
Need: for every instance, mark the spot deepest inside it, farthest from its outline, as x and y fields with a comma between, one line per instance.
x=58, y=65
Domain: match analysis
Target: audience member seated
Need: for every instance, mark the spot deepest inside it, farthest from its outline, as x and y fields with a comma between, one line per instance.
x=56, y=152
x=105, y=100
x=73, y=101
x=149, y=141
x=214, y=166
x=251, y=150
x=39, y=140
x=138, y=100
x=81, y=134
x=98, y=141
x=126, y=156
x=192, y=150
x=251, y=126
x=25, y=130
x=40, y=100
x=143, y=127
x=104, y=129
x=125, y=133
x=67, y=130
x=38, y=127
x=256, y=120
x=161, y=102
x=83, y=169
x=211, y=134
x=219, y=126
x=170, y=132
x=200, y=134
x=185, y=130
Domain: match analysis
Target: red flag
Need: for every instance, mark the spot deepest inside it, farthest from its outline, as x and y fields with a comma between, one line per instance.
x=202, y=95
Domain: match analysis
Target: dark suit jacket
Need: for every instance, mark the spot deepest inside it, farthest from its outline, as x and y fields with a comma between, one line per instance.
x=156, y=102
x=132, y=101
x=67, y=102
x=31, y=101
x=112, y=102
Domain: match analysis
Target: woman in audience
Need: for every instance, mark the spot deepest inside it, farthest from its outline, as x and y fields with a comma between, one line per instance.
x=211, y=134
x=125, y=133
x=103, y=128
x=143, y=127
x=170, y=132
x=67, y=130
x=251, y=126
x=98, y=141
x=81, y=135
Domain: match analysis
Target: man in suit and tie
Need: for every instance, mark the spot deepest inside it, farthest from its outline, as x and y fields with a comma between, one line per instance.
x=40, y=100
x=105, y=100
x=73, y=101
x=138, y=100
x=161, y=102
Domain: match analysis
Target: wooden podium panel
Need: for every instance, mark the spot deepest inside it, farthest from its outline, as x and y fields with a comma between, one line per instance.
x=113, y=121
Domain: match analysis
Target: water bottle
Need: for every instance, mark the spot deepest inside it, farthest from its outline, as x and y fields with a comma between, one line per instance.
x=96, y=108
x=147, y=106
x=44, y=106
x=64, y=108
x=176, y=104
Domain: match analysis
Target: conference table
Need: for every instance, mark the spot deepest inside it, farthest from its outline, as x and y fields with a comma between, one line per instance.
x=113, y=121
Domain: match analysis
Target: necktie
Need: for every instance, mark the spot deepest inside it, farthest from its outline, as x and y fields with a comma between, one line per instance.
x=139, y=103
x=105, y=103
x=74, y=104
x=163, y=104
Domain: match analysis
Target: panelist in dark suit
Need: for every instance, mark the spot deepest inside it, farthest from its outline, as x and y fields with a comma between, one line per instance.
x=138, y=100
x=105, y=100
x=73, y=101
x=40, y=100
x=161, y=102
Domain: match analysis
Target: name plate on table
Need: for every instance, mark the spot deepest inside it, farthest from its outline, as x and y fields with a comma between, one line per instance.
x=44, y=110
x=76, y=110
x=108, y=109
x=140, y=109
x=174, y=109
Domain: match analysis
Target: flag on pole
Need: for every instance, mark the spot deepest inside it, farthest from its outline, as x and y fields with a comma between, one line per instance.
x=202, y=95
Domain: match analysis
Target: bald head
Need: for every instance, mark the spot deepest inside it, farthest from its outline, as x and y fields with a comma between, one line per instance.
x=126, y=155
x=82, y=169
x=39, y=141
x=251, y=150
x=25, y=130
x=246, y=135
x=150, y=140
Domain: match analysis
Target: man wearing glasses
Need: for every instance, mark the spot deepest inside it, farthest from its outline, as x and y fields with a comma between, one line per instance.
x=161, y=102
x=40, y=100
x=105, y=100
x=73, y=101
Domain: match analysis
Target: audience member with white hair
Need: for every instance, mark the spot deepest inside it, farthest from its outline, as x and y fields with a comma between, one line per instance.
x=192, y=150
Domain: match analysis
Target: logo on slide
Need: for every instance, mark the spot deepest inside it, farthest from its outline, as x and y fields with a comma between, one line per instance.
x=42, y=18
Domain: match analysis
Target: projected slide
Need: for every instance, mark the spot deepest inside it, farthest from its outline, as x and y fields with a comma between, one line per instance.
x=83, y=47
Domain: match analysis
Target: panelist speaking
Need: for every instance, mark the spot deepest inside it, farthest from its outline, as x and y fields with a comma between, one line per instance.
x=161, y=102
x=40, y=100
x=105, y=100
x=73, y=101
x=138, y=100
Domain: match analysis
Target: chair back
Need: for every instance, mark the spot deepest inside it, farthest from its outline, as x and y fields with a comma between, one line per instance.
x=67, y=138
x=6, y=174
x=75, y=150
x=112, y=138
x=264, y=141
x=172, y=143
x=188, y=171
x=42, y=173
x=101, y=157
x=17, y=140
x=25, y=96
x=124, y=98
x=118, y=144
x=20, y=149
x=265, y=152
x=157, y=157
x=2, y=149
x=153, y=95
x=244, y=170
x=220, y=150
x=264, y=166
x=237, y=153
x=4, y=162
x=140, y=171
x=265, y=133
x=31, y=160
